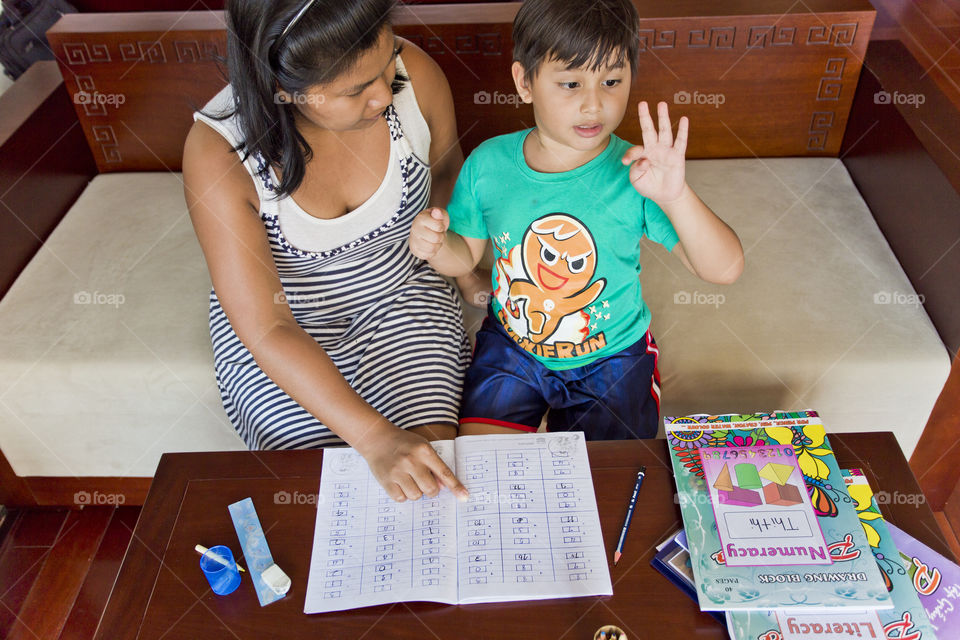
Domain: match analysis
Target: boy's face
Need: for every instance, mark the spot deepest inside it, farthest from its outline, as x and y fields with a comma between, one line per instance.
x=575, y=109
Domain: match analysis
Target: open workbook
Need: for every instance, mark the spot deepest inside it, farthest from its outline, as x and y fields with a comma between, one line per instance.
x=530, y=529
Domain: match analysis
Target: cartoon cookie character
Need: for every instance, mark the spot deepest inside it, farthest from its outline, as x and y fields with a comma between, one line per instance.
x=559, y=259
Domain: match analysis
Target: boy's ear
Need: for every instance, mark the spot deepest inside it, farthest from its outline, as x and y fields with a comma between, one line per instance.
x=521, y=82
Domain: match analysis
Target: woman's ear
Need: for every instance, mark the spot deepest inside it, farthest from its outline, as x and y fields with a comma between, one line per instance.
x=521, y=82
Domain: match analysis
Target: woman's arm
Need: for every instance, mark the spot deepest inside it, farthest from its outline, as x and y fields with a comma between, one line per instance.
x=436, y=104
x=223, y=206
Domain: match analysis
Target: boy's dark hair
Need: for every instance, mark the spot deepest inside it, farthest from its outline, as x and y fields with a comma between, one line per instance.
x=581, y=33
x=293, y=45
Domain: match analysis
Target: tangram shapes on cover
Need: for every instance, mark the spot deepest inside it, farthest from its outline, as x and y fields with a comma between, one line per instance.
x=746, y=491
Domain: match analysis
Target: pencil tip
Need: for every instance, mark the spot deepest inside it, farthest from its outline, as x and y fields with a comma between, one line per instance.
x=616, y=557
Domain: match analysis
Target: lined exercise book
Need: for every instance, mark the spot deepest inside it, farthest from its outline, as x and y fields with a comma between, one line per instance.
x=530, y=529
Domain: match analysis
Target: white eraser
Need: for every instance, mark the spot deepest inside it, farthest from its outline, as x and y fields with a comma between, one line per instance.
x=276, y=579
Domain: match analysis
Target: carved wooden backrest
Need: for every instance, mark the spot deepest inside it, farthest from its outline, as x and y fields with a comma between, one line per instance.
x=754, y=84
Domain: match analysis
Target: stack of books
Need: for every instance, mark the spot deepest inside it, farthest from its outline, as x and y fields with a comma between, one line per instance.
x=780, y=544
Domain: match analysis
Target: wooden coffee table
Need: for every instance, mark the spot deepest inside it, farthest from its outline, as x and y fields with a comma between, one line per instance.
x=161, y=593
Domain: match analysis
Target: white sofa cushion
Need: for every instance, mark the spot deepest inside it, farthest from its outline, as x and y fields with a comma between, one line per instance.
x=822, y=318
x=105, y=356
x=95, y=384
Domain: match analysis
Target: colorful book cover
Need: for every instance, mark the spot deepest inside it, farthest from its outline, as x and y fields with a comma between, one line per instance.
x=852, y=579
x=935, y=579
x=673, y=561
x=760, y=504
x=906, y=621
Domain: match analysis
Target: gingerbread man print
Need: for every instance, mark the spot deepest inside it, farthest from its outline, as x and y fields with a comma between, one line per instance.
x=559, y=259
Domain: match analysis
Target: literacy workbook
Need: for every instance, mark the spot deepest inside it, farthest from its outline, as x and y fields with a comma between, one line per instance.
x=769, y=524
x=907, y=620
x=935, y=579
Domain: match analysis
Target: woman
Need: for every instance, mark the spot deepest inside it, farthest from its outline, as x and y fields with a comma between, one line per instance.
x=302, y=178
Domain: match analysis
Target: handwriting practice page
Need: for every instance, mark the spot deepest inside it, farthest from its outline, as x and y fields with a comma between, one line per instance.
x=530, y=529
x=369, y=549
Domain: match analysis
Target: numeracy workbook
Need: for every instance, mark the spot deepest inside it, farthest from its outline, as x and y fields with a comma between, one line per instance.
x=764, y=473
x=530, y=529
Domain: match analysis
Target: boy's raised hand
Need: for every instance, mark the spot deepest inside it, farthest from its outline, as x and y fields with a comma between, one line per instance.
x=428, y=232
x=657, y=168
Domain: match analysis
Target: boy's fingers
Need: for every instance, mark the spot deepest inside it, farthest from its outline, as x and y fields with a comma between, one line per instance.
x=432, y=224
x=428, y=235
x=663, y=115
x=441, y=216
x=632, y=155
x=646, y=125
x=640, y=170
x=683, y=130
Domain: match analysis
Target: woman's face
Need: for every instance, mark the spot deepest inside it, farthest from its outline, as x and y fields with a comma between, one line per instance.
x=357, y=98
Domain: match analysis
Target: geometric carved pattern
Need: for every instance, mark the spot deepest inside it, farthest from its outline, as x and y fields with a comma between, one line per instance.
x=820, y=125
x=86, y=97
x=832, y=82
x=415, y=39
x=760, y=36
x=434, y=45
x=839, y=35
x=151, y=52
x=195, y=51
x=719, y=38
x=829, y=89
x=657, y=39
x=105, y=136
x=488, y=44
x=82, y=53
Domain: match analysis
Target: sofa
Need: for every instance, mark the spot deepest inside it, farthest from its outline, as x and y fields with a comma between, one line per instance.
x=105, y=359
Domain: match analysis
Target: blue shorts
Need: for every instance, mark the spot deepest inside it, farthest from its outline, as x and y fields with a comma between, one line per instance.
x=616, y=397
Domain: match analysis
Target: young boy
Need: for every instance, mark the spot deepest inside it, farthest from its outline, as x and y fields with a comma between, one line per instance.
x=566, y=204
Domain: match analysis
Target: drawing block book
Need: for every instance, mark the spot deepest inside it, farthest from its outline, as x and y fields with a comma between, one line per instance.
x=530, y=529
x=845, y=579
x=906, y=621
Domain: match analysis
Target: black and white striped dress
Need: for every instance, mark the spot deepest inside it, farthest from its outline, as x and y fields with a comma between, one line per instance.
x=389, y=322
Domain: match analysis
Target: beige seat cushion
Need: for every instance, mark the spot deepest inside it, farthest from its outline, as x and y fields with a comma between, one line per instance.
x=105, y=356
x=822, y=318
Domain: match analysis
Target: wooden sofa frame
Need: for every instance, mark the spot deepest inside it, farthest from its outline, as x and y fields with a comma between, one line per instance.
x=51, y=144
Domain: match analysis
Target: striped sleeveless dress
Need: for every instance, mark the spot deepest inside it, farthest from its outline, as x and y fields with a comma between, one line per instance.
x=389, y=322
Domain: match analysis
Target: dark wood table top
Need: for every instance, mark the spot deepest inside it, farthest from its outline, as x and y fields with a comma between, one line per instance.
x=161, y=593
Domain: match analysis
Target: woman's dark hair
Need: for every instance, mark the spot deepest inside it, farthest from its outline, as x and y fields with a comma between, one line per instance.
x=320, y=40
x=580, y=33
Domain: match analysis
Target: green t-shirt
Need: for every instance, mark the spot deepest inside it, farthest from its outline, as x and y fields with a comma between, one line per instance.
x=566, y=271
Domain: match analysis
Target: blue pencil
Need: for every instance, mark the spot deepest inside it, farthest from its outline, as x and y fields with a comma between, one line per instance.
x=629, y=517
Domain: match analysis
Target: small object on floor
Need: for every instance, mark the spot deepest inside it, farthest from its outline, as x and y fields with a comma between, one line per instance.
x=202, y=550
x=276, y=579
x=609, y=632
x=220, y=570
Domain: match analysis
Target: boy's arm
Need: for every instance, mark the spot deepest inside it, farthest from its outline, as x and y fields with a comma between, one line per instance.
x=708, y=247
x=447, y=251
